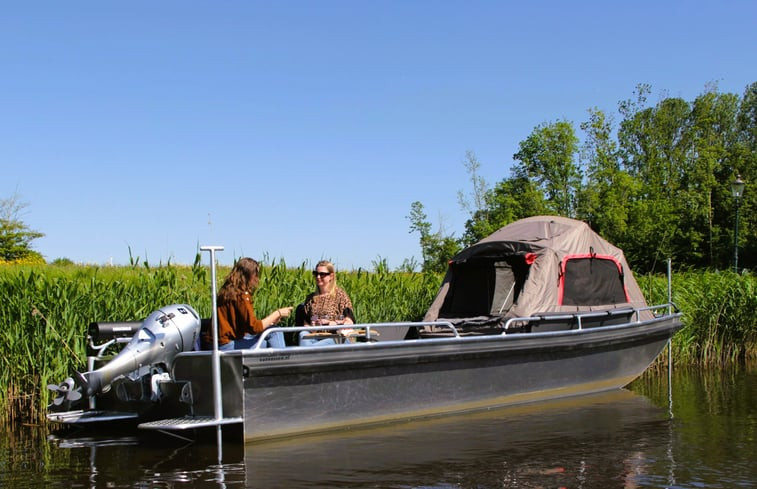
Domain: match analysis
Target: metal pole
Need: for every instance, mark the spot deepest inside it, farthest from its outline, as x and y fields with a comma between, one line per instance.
x=215, y=359
x=736, y=240
x=670, y=287
x=670, y=340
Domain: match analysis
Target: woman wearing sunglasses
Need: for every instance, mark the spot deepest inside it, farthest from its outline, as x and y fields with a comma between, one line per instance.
x=238, y=327
x=328, y=305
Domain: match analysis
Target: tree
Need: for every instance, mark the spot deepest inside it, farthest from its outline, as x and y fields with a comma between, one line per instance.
x=15, y=235
x=479, y=223
x=511, y=199
x=655, y=147
x=705, y=190
x=478, y=182
x=548, y=157
x=609, y=192
x=658, y=186
x=683, y=156
x=437, y=248
x=745, y=164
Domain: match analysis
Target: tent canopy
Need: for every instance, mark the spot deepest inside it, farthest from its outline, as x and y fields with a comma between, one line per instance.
x=542, y=264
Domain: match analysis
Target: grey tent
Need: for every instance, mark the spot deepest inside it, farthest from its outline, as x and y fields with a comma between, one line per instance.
x=538, y=265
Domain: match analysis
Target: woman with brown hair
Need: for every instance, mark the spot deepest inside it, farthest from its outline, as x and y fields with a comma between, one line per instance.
x=238, y=327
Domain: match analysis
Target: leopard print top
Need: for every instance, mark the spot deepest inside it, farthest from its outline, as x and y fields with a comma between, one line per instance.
x=329, y=305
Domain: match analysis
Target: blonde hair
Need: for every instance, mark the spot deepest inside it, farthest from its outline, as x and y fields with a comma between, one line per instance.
x=330, y=267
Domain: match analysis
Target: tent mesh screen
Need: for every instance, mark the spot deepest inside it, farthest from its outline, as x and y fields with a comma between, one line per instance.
x=484, y=287
x=593, y=282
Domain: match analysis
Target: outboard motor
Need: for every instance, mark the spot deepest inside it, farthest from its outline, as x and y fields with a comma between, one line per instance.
x=162, y=335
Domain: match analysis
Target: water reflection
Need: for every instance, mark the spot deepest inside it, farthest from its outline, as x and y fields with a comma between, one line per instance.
x=613, y=440
x=599, y=441
x=715, y=427
x=608, y=440
x=149, y=460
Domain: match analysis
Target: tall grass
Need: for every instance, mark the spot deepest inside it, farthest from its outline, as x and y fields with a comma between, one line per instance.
x=377, y=296
x=46, y=309
x=720, y=317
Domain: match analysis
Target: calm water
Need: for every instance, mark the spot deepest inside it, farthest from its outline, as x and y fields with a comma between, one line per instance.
x=625, y=439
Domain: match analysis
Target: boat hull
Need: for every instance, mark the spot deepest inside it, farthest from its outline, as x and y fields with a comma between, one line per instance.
x=304, y=390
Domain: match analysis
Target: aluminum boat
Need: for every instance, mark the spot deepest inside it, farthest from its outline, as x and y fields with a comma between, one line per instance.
x=542, y=309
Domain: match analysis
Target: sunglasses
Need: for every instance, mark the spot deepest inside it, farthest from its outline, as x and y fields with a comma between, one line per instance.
x=321, y=274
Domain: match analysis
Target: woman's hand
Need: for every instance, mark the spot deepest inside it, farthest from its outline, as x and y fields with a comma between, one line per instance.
x=284, y=312
x=277, y=316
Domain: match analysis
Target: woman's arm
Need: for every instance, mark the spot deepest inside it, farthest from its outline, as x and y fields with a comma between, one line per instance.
x=345, y=305
x=276, y=316
x=349, y=316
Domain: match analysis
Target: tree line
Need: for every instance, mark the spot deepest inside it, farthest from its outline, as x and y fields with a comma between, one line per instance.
x=657, y=183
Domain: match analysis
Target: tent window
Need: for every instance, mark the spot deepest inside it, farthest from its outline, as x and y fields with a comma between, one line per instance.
x=593, y=281
x=484, y=287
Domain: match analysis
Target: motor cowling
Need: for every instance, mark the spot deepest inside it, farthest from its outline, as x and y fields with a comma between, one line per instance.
x=163, y=334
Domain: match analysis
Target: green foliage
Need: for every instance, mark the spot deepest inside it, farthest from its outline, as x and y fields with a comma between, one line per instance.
x=720, y=326
x=437, y=248
x=480, y=187
x=603, y=200
x=47, y=308
x=508, y=201
x=384, y=296
x=46, y=311
x=15, y=236
x=657, y=185
x=547, y=156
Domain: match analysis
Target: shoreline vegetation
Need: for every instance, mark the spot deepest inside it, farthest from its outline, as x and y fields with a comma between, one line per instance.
x=46, y=310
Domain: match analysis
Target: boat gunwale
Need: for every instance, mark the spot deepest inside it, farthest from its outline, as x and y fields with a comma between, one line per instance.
x=274, y=360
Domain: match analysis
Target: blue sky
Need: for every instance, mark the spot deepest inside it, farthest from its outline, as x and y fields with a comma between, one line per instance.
x=305, y=129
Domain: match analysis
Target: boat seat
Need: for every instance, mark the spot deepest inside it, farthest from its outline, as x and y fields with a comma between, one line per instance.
x=563, y=321
x=552, y=321
x=469, y=326
x=448, y=334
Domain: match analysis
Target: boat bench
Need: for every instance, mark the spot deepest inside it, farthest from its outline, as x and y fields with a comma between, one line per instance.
x=469, y=326
x=562, y=321
x=460, y=332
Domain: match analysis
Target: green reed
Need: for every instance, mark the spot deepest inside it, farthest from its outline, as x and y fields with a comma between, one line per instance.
x=720, y=325
x=46, y=309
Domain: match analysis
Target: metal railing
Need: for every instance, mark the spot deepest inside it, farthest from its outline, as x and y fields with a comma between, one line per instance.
x=579, y=317
x=367, y=327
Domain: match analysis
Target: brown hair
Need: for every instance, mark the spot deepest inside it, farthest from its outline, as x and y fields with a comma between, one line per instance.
x=244, y=277
x=330, y=267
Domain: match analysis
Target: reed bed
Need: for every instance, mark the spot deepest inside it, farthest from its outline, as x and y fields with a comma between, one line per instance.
x=720, y=325
x=46, y=310
x=720, y=318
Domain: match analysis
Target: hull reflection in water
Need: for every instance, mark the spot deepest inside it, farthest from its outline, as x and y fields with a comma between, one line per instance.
x=122, y=460
x=591, y=441
x=616, y=439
